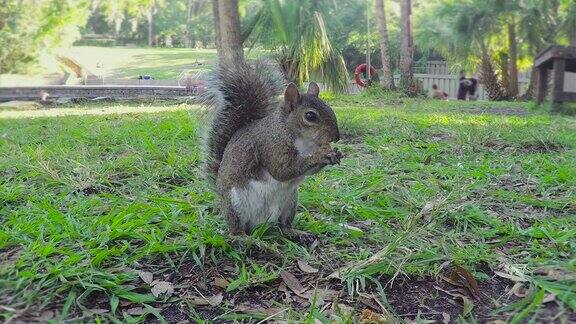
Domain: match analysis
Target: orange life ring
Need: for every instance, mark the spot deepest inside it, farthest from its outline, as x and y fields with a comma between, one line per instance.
x=362, y=69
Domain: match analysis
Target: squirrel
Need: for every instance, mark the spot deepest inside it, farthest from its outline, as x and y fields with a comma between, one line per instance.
x=258, y=149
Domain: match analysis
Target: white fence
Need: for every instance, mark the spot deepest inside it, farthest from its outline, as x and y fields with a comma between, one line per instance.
x=439, y=73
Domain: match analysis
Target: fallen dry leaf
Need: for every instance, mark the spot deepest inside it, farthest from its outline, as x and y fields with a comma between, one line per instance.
x=369, y=317
x=557, y=274
x=201, y=301
x=292, y=282
x=124, y=303
x=215, y=300
x=198, y=301
x=319, y=296
x=255, y=309
x=221, y=282
x=371, y=300
x=510, y=276
x=146, y=276
x=466, y=279
x=445, y=318
x=351, y=228
x=45, y=316
x=135, y=311
x=518, y=290
x=549, y=298
x=304, y=266
x=99, y=311
x=325, y=293
x=467, y=304
x=342, y=308
x=162, y=287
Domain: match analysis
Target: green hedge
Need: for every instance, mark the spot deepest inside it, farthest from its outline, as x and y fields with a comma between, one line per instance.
x=101, y=42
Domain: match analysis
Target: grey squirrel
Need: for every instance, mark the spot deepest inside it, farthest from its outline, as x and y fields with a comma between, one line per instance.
x=258, y=149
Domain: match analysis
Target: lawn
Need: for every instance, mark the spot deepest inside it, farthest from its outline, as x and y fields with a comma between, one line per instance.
x=161, y=63
x=441, y=211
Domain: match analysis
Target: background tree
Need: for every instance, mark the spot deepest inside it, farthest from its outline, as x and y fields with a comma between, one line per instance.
x=388, y=79
x=230, y=51
x=149, y=8
x=406, y=46
x=31, y=27
x=464, y=31
x=297, y=33
x=199, y=23
x=567, y=10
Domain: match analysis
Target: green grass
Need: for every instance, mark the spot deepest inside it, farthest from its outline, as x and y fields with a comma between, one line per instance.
x=161, y=63
x=87, y=201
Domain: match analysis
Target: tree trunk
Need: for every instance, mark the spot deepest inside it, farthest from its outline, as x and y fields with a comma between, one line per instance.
x=513, y=61
x=504, y=66
x=189, y=10
x=216, y=15
x=530, y=91
x=406, y=46
x=187, y=37
x=231, y=52
x=388, y=80
x=150, y=26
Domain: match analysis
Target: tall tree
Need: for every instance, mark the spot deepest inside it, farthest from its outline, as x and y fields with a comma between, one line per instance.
x=230, y=47
x=406, y=46
x=216, y=15
x=388, y=80
x=149, y=8
x=569, y=20
x=513, y=58
x=150, y=17
x=29, y=28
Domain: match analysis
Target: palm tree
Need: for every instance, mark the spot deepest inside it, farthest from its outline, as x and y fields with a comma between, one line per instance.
x=296, y=30
x=538, y=25
x=465, y=31
x=388, y=80
x=406, y=46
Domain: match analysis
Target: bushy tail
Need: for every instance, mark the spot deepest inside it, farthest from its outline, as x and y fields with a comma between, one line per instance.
x=236, y=96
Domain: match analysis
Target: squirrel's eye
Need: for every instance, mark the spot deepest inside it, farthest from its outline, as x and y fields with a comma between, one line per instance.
x=311, y=116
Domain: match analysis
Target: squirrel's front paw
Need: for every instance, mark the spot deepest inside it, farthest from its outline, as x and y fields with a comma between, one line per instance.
x=334, y=156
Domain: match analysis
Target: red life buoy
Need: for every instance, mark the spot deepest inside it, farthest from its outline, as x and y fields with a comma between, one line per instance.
x=362, y=69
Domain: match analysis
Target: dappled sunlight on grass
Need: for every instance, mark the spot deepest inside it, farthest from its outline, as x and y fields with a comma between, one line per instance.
x=160, y=63
x=80, y=111
x=88, y=201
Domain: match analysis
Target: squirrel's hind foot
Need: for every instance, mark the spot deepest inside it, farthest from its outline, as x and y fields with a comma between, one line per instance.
x=299, y=236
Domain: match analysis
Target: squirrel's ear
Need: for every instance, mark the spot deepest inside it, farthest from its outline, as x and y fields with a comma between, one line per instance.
x=291, y=97
x=313, y=89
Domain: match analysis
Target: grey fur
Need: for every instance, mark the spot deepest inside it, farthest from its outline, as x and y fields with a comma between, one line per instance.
x=236, y=97
x=257, y=149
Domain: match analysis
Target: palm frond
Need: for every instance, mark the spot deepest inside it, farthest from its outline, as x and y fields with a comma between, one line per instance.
x=300, y=38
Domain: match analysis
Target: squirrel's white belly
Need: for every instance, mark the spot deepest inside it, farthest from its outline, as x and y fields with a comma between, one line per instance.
x=263, y=200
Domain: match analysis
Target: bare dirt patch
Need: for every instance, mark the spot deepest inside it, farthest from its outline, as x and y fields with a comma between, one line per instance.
x=541, y=147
